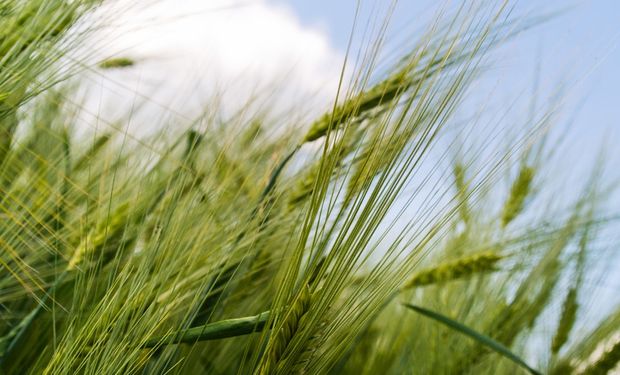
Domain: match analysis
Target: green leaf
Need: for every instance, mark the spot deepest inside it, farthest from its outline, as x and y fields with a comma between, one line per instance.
x=213, y=331
x=484, y=340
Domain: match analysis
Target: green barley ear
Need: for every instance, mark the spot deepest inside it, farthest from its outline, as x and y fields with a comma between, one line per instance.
x=334, y=158
x=8, y=124
x=293, y=322
x=417, y=69
x=369, y=163
x=376, y=155
x=304, y=186
x=518, y=193
x=571, y=303
x=563, y=367
x=460, y=268
x=106, y=232
x=567, y=320
x=116, y=63
x=94, y=149
x=383, y=93
x=461, y=191
x=251, y=133
x=606, y=363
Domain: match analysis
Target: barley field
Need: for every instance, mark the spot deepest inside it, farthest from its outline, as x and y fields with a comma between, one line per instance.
x=383, y=234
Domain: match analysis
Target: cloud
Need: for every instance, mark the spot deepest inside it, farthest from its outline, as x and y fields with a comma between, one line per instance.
x=223, y=53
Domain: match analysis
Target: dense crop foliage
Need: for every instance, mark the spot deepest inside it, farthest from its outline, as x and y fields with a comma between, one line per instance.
x=358, y=243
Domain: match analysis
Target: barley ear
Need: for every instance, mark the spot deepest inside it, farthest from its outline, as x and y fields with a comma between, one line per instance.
x=606, y=363
x=463, y=267
x=117, y=62
x=518, y=193
x=286, y=332
x=461, y=191
x=567, y=320
x=383, y=93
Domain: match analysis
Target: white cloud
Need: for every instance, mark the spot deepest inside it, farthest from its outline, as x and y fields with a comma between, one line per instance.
x=188, y=51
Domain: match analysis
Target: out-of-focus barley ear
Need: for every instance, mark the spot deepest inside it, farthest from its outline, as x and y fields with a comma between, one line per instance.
x=304, y=186
x=374, y=157
x=363, y=173
x=563, y=367
x=94, y=149
x=8, y=124
x=457, y=245
x=251, y=133
x=571, y=304
x=381, y=94
x=116, y=63
x=541, y=301
x=286, y=331
x=460, y=268
x=462, y=191
x=567, y=320
x=606, y=363
x=193, y=141
x=519, y=191
x=109, y=230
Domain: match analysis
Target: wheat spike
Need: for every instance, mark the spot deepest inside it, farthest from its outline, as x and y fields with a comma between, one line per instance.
x=117, y=62
x=382, y=93
x=285, y=334
x=463, y=267
x=462, y=191
x=518, y=192
x=606, y=363
x=567, y=320
x=96, y=240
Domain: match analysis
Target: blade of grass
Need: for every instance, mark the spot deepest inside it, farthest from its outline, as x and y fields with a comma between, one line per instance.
x=483, y=339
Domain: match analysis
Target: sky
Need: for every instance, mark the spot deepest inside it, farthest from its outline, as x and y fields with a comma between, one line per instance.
x=575, y=52
x=245, y=47
x=194, y=52
x=197, y=54
x=216, y=55
x=578, y=47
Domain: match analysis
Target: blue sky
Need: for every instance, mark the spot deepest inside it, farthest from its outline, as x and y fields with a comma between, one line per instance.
x=259, y=39
x=579, y=47
x=236, y=48
x=576, y=51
